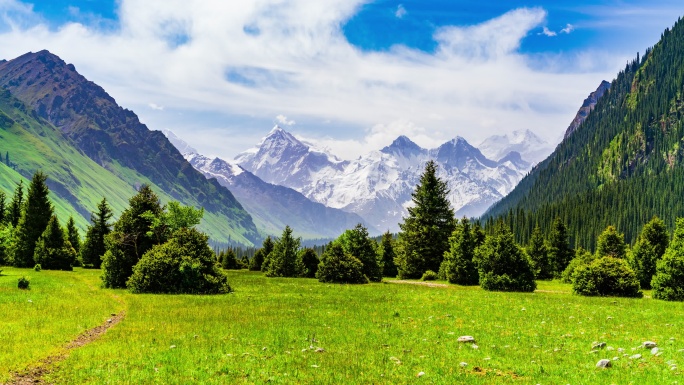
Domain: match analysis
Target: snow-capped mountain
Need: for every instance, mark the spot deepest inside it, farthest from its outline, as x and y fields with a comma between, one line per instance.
x=378, y=186
x=272, y=207
x=531, y=148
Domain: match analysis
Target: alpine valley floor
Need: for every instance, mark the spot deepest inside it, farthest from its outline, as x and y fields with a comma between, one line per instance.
x=300, y=331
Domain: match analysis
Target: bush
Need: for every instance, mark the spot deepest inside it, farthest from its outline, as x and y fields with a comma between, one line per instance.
x=502, y=265
x=606, y=276
x=668, y=282
x=307, y=263
x=429, y=276
x=582, y=257
x=23, y=283
x=37, y=267
x=339, y=267
x=184, y=264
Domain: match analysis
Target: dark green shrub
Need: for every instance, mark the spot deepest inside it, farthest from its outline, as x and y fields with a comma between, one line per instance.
x=358, y=243
x=23, y=283
x=582, y=257
x=429, y=276
x=668, y=282
x=257, y=260
x=339, y=267
x=307, y=263
x=606, y=276
x=53, y=250
x=282, y=261
x=458, y=265
x=184, y=264
x=502, y=265
x=37, y=267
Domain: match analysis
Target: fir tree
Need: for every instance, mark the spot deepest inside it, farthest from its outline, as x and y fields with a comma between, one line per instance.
x=307, y=263
x=34, y=219
x=283, y=258
x=387, y=256
x=131, y=238
x=267, y=247
x=3, y=209
x=458, y=266
x=539, y=255
x=357, y=243
x=611, y=244
x=648, y=250
x=339, y=267
x=72, y=235
x=17, y=204
x=424, y=236
x=229, y=260
x=93, y=248
x=560, y=251
x=257, y=260
x=53, y=249
x=668, y=282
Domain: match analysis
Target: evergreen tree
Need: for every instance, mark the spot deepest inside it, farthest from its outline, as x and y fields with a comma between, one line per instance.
x=424, y=236
x=387, y=256
x=283, y=258
x=132, y=237
x=458, y=266
x=611, y=244
x=6, y=244
x=560, y=251
x=357, y=243
x=647, y=251
x=339, y=267
x=93, y=248
x=53, y=250
x=257, y=260
x=539, y=255
x=34, y=219
x=244, y=262
x=3, y=209
x=502, y=265
x=229, y=260
x=17, y=204
x=267, y=247
x=307, y=263
x=72, y=235
x=7, y=160
x=668, y=282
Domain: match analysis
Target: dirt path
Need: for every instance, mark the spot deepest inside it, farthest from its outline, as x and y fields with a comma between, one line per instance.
x=35, y=374
x=421, y=283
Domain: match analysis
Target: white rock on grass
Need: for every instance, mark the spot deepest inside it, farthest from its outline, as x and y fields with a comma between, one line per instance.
x=635, y=357
x=463, y=364
x=655, y=351
x=649, y=344
x=605, y=363
x=598, y=345
x=466, y=339
x=420, y=374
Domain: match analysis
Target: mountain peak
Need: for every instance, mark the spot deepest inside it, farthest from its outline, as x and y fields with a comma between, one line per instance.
x=404, y=146
x=587, y=106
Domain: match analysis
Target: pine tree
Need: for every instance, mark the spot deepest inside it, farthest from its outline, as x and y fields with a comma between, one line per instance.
x=339, y=267
x=358, y=243
x=131, y=238
x=72, y=235
x=53, y=249
x=283, y=258
x=539, y=255
x=424, y=236
x=668, y=282
x=267, y=247
x=257, y=260
x=3, y=209
x=458, y=266
x=307, y=263
x=229, y=260
x=17, y=204
x=502, y=265
x=93, y=248
x=648, y=250
x=34, y=219
x=387, y=256
x=560, y=251
x=611, y=244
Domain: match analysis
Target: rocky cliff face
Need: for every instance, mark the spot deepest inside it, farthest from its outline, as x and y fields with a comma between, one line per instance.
x=587, y=107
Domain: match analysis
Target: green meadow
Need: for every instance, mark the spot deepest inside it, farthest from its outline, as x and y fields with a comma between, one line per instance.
x=300, y=331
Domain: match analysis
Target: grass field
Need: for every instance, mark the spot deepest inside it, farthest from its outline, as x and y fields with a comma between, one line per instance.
x=269, y=330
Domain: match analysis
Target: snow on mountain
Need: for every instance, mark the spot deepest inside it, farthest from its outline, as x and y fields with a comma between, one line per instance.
x=378, y=186
x=531, y=148
x=179, y=143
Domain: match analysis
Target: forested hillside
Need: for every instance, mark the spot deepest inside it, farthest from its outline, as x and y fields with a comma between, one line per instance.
x=622, y=165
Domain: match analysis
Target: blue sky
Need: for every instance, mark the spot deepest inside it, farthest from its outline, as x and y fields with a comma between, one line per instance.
x=348, y=74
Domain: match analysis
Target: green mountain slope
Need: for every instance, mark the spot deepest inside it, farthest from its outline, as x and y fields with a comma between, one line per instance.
x=90, y=148
x=623, y=164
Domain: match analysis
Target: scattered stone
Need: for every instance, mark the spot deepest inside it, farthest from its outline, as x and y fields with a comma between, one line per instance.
x=598, y=345
x=109, y=321
x=420, y=374
x=635, y=357
x=466, y=339
x=649, y=344
x=620, y=350
x=463, y=364
x=320, y=350
x=616, y=358
x=314, y=366
x=604, y=364
x=264, y=348
x=172, y=347
x=655, y=351
x=475, y=346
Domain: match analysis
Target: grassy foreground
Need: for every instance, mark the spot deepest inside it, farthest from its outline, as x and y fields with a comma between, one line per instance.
x=269, y=331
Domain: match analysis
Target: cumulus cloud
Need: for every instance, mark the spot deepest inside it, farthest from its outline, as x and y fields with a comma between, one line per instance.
x=156, y=107
x=282, y=119
x=546, y=31
x=568, y=28
x=245, y=61
x=400, y=12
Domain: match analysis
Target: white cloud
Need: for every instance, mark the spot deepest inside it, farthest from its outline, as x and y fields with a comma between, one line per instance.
x=243, y=62
x=546, y=31
x=282, y=119
x=156, y=107
x=400, y=12
x=568, y=28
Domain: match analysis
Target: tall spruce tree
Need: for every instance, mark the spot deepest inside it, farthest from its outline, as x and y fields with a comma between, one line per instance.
x=611, y=244
x=358, y=243
x=34, y=219
x=424, y=236
x=257, y=260
x=387, y=256
x=3, y=209
x=307, y=263
x=668, y=281
x=53, y=249
x=17, y=204
x=267, y=247
x=539, y=255
x=560, y=251
x=648, y=250
x=283, y=258
x=93, y=248
x=131, y=238
x=458, y=266
x=72, y=235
